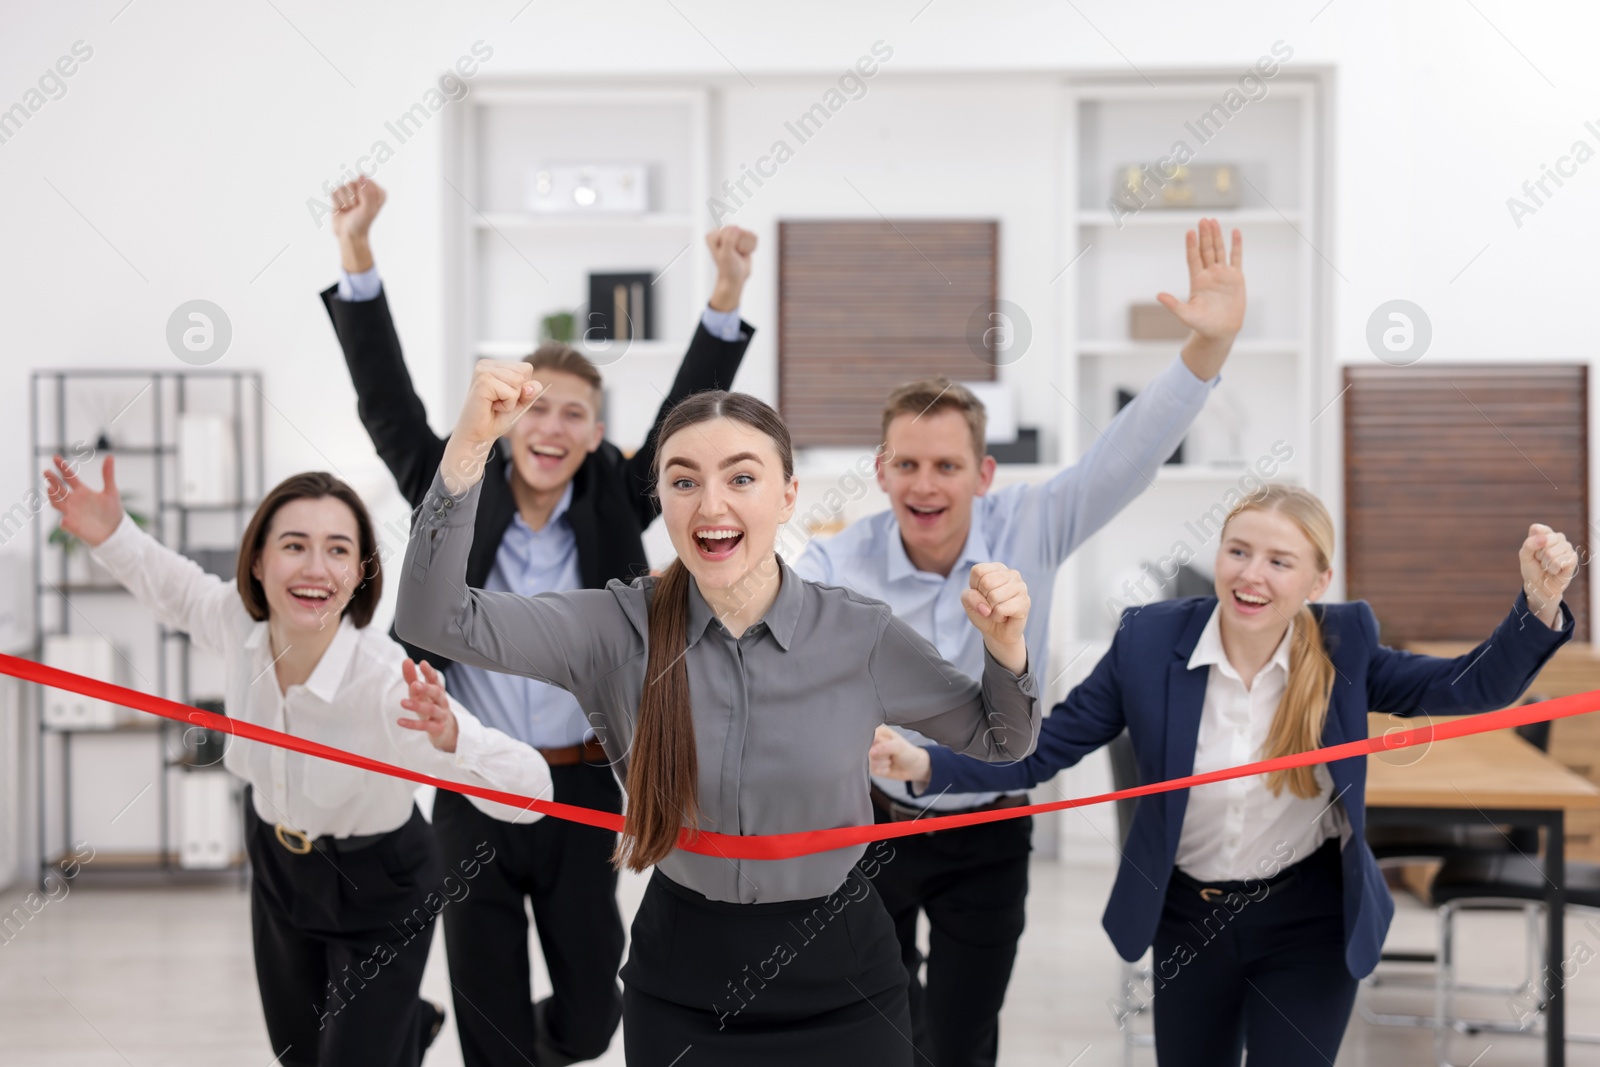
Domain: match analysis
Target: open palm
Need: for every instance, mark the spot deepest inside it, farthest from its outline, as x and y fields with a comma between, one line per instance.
x=85, y=514
x=1215, y=308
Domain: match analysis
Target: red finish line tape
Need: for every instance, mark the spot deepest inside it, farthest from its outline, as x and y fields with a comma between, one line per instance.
x=805, y=842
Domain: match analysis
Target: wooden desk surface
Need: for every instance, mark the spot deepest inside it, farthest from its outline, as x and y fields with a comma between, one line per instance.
x=1492, y=770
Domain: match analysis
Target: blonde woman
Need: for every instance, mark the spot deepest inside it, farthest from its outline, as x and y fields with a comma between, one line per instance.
x=1259, y=896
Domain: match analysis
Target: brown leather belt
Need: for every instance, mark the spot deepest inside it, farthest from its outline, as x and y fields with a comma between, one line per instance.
x=899, y=812
x=591, y=751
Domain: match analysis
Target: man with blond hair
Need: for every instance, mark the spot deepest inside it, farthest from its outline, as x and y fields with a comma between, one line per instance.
x=972, y=883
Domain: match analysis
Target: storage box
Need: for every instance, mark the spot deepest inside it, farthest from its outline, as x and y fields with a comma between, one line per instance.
x=208, y=819
x=1153, y=322
x=206, y=461
x=93, y=657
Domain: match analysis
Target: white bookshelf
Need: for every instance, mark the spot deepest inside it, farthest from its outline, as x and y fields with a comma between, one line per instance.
x=511, y=267
x=1277, y=368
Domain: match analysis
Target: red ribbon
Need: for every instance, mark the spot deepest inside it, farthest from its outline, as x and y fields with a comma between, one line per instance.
x=804, y=842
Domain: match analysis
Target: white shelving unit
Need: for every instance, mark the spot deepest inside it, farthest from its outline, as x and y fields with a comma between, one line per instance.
x=1276, y=370
x=511, y=267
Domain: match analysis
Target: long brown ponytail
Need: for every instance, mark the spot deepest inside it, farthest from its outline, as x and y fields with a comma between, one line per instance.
x=1303, y=709
x=663, y=781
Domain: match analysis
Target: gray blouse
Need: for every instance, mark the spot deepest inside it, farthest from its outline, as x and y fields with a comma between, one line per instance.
x=783, y=715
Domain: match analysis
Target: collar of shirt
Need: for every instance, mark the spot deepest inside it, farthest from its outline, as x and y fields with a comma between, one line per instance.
x=1209, y=651
x=520, y=526
x=780, y=620
x=330, y=670
x=976, y=550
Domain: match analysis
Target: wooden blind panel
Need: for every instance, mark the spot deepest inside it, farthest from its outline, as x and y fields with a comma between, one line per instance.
x=1445, y=467
x=864, y=306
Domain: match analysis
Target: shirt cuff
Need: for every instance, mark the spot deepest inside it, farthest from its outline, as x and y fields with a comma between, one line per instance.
x=356, y=288
x=469, y=741
x=1185, y=379
x=1025, y=680
x=442, y=508
x=723, y=325
x=122, y=545
x=1565, y=626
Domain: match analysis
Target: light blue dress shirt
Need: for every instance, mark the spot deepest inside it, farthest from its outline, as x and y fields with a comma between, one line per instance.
x=1032, y=528
x=528, y=562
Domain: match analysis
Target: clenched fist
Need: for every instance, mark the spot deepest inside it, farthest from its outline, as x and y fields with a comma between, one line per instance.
x=1548, y=563
x=355, y=205
x=500, y=392
x=997, y=603
x=731, y=248
x=892, y=756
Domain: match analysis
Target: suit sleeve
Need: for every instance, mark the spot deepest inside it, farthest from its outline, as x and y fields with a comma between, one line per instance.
x=1089, y=718
x=994, y=718
x=1491, y=676
x=710, y=363
x=567, y=639
x=388, y=405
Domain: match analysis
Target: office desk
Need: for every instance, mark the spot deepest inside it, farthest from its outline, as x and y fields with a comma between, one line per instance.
x=1497, y=778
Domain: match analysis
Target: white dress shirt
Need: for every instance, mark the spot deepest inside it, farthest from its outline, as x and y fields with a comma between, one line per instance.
x=1238, y=829
x=350, y=702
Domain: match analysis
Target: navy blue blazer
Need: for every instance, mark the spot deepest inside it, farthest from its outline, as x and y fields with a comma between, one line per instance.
x=1144, y=684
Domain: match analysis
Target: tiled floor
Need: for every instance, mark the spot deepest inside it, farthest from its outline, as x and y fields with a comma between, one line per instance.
x=140, y=978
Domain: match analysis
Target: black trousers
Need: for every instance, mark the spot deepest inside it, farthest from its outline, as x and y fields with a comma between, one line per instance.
x=341, y=940
x=1267, y=974
x=565, y=869
x=801, y=982
x=973, y=885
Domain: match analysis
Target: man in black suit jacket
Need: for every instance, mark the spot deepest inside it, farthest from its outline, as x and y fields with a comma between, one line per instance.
x=562, y=508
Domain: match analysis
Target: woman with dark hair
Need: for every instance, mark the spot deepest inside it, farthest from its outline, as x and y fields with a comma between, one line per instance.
x=732, y=697
x=347, y=879
x=1259, y=898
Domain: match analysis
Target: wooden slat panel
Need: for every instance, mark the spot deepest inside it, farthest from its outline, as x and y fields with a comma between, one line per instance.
x=1445, y=467
x=864, y=306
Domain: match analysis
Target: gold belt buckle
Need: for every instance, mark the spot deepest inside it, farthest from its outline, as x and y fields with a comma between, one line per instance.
x=1210, y=893
x=300, y=845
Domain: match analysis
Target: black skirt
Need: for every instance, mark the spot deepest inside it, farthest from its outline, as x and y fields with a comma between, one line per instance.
x=710, y=983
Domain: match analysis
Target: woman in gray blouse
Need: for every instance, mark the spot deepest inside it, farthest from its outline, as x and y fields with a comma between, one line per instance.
x=732, y=697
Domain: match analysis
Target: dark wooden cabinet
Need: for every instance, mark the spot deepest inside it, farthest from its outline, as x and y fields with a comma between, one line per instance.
x=1445, y=467
x=866, y=305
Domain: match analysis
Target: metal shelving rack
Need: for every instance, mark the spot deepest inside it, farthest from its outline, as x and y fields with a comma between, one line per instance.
x=170, y=397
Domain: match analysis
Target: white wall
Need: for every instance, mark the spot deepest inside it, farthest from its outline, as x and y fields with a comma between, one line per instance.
x=180, y=160
x=194, y=136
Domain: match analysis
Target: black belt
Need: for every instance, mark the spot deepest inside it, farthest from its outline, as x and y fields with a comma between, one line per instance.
x=1210, y=891
x=899, y=812
x=300, y=844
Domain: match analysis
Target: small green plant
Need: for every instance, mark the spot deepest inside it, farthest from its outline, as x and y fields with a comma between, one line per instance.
x=557, y=327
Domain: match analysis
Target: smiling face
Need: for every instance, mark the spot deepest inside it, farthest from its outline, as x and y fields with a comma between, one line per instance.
x=550, y=441
x=310, y=562
x=723, y=496
x=1266, y=569
x=932, y=474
